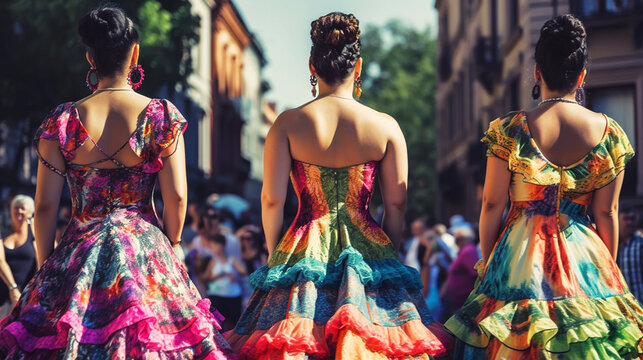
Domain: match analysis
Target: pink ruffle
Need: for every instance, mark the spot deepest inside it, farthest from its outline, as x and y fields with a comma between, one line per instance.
x=301, y=335
x=15, y=334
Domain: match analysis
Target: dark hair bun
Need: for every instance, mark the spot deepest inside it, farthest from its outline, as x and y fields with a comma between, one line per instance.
x=335, y=29
x=561, y=52
x=108, y=34
x=336, y=46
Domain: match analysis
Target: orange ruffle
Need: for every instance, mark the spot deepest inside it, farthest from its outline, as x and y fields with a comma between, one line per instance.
x=302, y=336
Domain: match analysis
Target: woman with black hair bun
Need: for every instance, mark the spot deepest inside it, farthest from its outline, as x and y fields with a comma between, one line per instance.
x=334, y=286
x=113, y=287
x=548, y=286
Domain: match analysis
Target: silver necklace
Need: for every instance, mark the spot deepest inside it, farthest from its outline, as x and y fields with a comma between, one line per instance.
x=112, y=89
x=341, y=97
x=555, y=99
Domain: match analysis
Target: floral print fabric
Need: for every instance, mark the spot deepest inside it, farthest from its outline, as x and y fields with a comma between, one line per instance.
x=112, y=288
x=335, y=287
x=551, y=289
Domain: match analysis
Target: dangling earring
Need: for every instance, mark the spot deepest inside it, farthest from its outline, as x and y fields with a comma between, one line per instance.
x=358, y=86
x=580, y=95
x=535, y=92
x=313, y=82
x=88, y=79
x=138, y=68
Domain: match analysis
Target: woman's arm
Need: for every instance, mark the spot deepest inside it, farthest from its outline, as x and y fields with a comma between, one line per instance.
x=5, y=271
x=241, y=269
x=206, y=276
x=393, y=183
x=605, y=211
x=276, y=170
x=494, y=201
x=174, y=190
x=49, y=187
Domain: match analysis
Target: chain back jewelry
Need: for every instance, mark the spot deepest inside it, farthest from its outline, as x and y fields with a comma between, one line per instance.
x=558, y=99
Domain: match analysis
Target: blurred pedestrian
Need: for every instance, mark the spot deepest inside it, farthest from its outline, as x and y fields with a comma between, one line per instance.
x=412, y=257
x=191, y=228
x=222, y=279
x=550, y=286
x=252, y=253
x=212, y=224
x=113, y=287
x=630, y=252
x=334, y=286
x=17, y=253
x=440, y=258
x=252, y=250
x=462, y=275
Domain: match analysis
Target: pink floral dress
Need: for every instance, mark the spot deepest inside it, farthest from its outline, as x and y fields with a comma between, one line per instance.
x=112, y=288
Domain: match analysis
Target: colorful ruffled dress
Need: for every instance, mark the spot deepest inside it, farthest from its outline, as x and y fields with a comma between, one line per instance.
x=335, y=287
x=551, y=289
x=112, y=288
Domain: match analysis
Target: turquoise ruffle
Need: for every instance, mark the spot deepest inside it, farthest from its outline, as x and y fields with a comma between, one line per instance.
x=371, y=273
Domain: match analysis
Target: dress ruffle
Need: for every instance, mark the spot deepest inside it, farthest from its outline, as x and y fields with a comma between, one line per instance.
x=302, y=335
x=371, y=273
x=555, y=326
x=140, y=319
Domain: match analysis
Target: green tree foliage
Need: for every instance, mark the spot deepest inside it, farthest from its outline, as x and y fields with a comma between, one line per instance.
x=399, y=79
x=43, y=62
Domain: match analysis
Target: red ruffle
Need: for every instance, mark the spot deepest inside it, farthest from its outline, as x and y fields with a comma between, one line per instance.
x=302, y=335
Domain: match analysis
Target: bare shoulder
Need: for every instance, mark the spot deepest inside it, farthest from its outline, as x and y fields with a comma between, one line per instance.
x=385, y=123
x=293, y=120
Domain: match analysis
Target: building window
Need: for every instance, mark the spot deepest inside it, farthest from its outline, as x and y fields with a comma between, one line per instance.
x=452, y=117
x=512, y=94
x=594, y=8
x=512, y=13
x=617, y=103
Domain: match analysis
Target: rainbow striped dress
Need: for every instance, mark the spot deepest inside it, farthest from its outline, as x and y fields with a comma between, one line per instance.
x=551, y=289
x=335, y=287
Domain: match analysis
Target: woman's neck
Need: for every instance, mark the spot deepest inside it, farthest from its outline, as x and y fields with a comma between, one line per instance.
x=112, y=82
x=21, y=229
x=344, y=90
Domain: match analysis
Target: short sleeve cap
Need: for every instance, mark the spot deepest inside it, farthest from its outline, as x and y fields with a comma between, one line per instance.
x=499, y=139
x=162, y=126
x=611, y=157
x=61, y=124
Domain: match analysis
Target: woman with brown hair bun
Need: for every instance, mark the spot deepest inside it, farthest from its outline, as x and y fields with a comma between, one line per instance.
x=334, y=286
x=548, y=286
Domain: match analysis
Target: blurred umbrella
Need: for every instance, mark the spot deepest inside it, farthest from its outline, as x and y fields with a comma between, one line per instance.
x=232, y=202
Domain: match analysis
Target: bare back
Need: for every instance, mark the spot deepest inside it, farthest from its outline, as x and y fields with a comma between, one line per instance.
x=110, y=119
x=566, y=133
x=337, y=132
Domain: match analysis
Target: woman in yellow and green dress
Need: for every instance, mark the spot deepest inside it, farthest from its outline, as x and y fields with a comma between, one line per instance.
x=549, y=287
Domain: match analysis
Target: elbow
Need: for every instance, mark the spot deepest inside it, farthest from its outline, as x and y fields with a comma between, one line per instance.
x=398, y=204
x=177, y=198
x=43, y=209
x=269, y=201
x=607, y=211
x=490, y=204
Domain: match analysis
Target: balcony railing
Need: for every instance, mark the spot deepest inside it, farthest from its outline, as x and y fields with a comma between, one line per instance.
x=488, y=63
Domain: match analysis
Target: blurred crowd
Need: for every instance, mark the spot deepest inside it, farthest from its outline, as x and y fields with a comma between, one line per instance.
x=446, y=258
x=220, y=251
x=221, y=247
